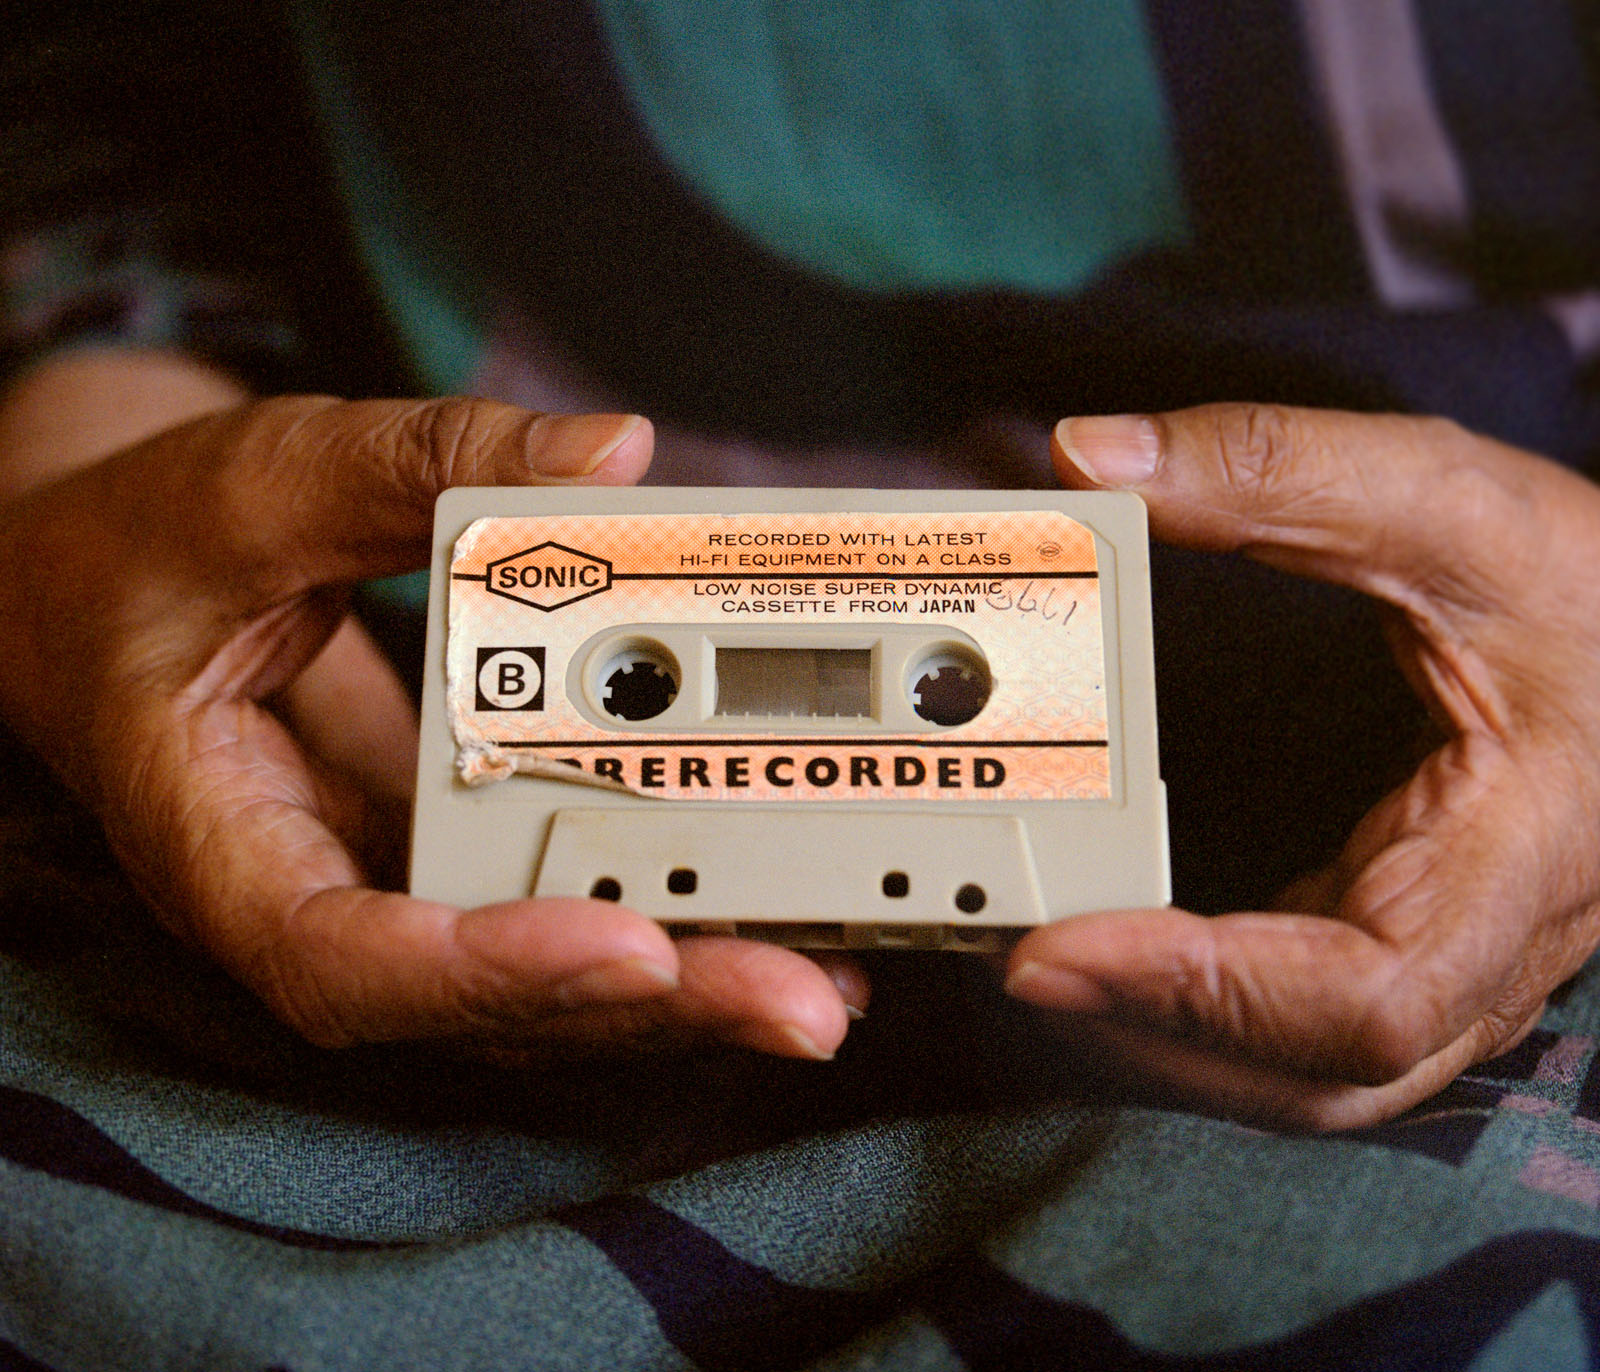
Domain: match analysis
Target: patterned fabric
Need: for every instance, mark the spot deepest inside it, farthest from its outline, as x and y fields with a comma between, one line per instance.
x=183, y=1185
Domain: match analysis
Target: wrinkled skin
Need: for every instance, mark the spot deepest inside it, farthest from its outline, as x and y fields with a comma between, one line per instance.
x=1466, y=896
x=177, y=648
x=173, y=565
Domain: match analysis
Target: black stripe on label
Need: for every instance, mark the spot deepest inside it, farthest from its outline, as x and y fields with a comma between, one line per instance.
x=866, y=741
x=840, y=573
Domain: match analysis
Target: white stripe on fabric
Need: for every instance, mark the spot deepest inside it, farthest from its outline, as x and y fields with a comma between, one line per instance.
x=1407, y=191
x=1578, y=317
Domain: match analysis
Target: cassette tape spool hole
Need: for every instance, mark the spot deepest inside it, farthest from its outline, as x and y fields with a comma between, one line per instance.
x=949, y=684
x=639, y=680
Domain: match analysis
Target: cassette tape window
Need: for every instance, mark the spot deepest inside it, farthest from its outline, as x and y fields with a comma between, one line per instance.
x=834, y=683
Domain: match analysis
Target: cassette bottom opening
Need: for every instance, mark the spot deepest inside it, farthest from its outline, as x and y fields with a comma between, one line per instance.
x=861, y=879
x=857, y=937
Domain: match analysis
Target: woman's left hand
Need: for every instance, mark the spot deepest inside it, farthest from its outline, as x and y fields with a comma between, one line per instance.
x=1466, y=896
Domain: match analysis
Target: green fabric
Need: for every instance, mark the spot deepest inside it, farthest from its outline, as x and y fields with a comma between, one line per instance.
x=914, y=143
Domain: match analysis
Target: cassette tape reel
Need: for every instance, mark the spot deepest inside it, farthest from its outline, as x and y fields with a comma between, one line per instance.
x=824, y=718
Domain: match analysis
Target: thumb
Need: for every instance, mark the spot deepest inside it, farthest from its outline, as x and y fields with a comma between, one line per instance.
x=1472, y=540
x=310, y=491
x=219, y=528
x=1388, y=504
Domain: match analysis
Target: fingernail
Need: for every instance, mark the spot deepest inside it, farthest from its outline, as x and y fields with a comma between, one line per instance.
x=626, y=979
x=847, y=982
x=1058, y=988
x=1112, y=449
x=802, y=1043
x=786, y=1040
x=577, y=445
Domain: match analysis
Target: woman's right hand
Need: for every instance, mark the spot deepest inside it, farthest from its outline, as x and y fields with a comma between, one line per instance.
x=176, y=646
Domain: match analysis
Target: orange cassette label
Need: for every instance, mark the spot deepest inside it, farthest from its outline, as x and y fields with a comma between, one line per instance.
x=854, y=657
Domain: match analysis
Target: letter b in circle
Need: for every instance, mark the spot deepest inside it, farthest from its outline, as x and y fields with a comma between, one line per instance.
x=510, y=679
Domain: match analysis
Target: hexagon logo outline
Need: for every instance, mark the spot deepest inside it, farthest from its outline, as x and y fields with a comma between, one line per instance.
x=570, y=581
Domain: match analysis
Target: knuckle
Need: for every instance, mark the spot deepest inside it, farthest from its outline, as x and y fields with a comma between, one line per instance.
x=452, y=440
x=484, y=1000
x=1222, y=1001
x=1205, y=1002
x=1491, y=518
x=297, y=999
x=254, y=476
x=1503, y=1027
x=1226, y=1003
x=289, y=973
x=441, y=434
x=1259, y=446
x=1441, y=433
x=286, y=444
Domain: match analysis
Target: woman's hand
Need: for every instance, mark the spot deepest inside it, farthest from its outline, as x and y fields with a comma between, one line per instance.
x=175, y=644
x=1464, y=897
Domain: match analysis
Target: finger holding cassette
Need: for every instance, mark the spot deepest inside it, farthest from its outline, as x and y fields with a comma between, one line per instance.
x=180, y=654
x=1463, y=898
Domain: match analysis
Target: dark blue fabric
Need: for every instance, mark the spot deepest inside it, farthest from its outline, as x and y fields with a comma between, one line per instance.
x=1437, y=1324
x=1514, y=89
x=1270, y=218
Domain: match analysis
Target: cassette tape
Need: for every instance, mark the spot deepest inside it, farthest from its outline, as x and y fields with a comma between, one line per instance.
x=824, y=718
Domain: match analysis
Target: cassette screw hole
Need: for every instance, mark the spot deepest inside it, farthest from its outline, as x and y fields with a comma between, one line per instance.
x=639, y=682
x=971, y=898
x=896, y=885
x=606, y=888
x=950, y=686
x=681, y=881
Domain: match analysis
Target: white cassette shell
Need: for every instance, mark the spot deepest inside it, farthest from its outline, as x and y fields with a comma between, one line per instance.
x=930, y=868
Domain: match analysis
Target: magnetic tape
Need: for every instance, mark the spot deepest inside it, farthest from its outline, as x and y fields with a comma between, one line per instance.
x=824, y=718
